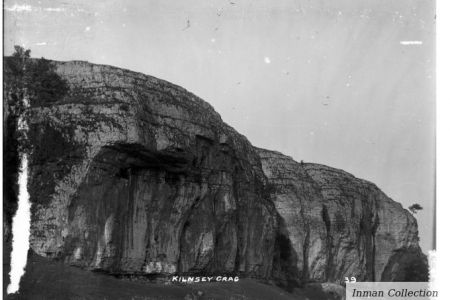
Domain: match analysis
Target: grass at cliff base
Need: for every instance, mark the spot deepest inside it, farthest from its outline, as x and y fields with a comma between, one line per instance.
x=46, y=279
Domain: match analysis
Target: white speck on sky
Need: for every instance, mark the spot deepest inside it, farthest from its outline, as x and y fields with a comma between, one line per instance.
x=19, y=8
x=407, y=43
x=54, y=9
x=267, y=60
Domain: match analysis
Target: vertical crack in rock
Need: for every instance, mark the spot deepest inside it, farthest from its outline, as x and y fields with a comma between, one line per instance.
x=374, y=249
x=306, y=247
x=328, y=242
x=20, y=230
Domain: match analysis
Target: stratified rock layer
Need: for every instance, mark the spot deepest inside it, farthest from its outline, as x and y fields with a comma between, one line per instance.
x=133, y=175
x=341, y=226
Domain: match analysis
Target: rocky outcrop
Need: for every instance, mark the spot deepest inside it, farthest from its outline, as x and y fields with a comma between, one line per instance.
x=341, y=226
x=133, y=175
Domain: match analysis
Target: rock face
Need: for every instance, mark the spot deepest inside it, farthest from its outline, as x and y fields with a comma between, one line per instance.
x=130, y=174
x=133, y=175
x=340, y=226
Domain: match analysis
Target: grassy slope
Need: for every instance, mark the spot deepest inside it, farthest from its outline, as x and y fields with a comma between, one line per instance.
x=45, y=279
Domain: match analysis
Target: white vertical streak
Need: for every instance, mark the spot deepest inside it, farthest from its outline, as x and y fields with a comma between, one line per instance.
x=21, y=220
x=20, y=230
x=432, y=269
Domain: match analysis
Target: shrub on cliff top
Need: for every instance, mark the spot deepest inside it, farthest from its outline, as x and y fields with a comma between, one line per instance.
x=415, y=207
x=44, y=84
x=33, y=79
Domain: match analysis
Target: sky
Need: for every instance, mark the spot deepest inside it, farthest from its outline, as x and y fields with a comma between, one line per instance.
x=346, y=83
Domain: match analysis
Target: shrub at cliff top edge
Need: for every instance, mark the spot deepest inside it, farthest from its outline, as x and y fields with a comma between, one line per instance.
x=34, y=79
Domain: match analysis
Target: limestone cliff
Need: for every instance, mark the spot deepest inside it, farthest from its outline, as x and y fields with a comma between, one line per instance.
x=133, y=175
x=340, y=226
x=130, y=174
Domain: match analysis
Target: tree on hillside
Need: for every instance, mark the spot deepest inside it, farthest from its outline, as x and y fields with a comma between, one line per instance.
x=44, y=85
x=415, y=207
x=34, y=79
x=14, y=72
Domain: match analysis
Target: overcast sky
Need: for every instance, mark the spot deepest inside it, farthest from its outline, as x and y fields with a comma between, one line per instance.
x=346, y=83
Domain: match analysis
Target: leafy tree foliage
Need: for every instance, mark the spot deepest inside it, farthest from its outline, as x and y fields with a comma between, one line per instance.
x=44, y=85
x=415, y=207
x=34, y=79
x=14, y=80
